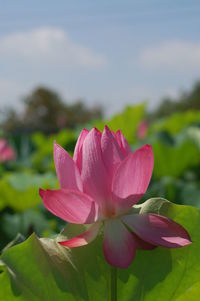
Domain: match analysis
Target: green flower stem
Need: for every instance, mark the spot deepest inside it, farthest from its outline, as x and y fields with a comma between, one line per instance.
x=113, y=284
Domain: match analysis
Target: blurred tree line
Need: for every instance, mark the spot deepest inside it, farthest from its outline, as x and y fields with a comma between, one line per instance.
x=45, y=111
x=186, y=101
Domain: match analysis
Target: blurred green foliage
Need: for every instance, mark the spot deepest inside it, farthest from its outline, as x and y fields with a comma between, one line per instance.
x=42, y=159
x=176, y=177
x=19, y=190
x=176, y=122
x=174, y=160
x=176, y=145
x=187, y=100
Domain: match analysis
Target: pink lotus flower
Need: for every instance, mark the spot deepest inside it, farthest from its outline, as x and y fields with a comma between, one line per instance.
x=99, y=186
x=7, y=153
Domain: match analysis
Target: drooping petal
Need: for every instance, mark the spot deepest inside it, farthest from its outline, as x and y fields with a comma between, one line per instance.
x=125, y=147
x=132, y=177
x=66, y=169
x=157, y=230
x=70, y=205
x=78, y=149
x=143, y=245
x=111, y=152
x=119, y=246
x=84, y=238
x=93, y=174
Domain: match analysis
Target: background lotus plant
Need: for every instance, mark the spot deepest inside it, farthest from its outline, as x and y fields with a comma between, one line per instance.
x=142, y=130
x=99, y=186
x=7, y=153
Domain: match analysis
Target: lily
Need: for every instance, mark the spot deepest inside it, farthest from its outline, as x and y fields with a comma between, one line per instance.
x=99, y=186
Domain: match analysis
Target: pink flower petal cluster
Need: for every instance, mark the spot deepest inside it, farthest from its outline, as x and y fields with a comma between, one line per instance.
x=99, y=186
x=7, y=153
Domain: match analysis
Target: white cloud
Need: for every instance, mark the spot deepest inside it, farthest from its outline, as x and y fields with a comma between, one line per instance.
x=47, y=46
x=172, y=55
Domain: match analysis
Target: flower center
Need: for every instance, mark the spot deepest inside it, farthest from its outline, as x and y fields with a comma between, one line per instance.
x=108, y=211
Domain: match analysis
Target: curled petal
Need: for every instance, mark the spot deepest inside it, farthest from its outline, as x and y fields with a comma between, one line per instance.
x=78, y=149
x=157, y=230
x=70, y=205
x=84, y=238
x=111, y=152
x=93, y=174
x=67, y=171
x=119, y=245
x=132, y=177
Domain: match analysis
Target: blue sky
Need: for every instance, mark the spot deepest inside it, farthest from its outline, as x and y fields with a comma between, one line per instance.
x=113, y=53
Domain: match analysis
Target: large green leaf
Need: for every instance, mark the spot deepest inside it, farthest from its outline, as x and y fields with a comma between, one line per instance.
x=40, y=269
x=173, y=160
x=176, y=122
